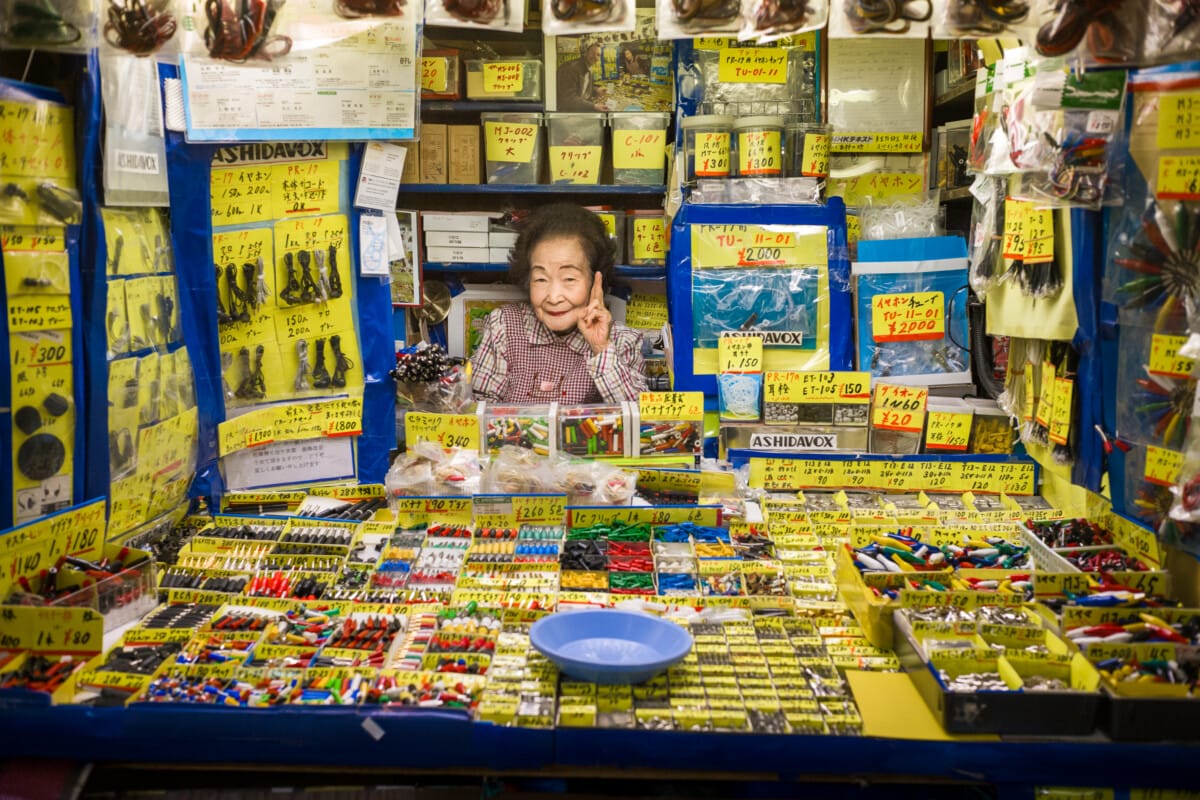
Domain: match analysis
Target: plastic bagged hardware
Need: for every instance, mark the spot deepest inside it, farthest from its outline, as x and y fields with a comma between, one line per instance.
x=40, y=23
x=699, y=16
x=1107, y=25
x=370, y=8
x=886, y=16
x=754, y=300
x=565, y=17
x=139, y=27
x=243, y=32
x=984, y=17
x=773, y=19
x=1161, y=254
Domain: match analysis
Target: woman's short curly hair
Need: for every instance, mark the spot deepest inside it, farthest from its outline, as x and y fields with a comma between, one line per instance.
x=562, y=221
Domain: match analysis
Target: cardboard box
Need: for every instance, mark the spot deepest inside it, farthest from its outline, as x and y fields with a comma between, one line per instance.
x=433, y=153
x=412, y=163
x=502, y=238
x=464, y=166
x=498, y=255
x=457, y=255
x=455, y=239
x=451, y=221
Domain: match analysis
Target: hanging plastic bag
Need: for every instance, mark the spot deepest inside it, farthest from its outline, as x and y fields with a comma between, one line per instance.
x=139, y=27
x=889, y=18
x=499, y=15
x=135, y=153
x=68, y=25
x=687, y=19
x=571, y=17
x=769, y=20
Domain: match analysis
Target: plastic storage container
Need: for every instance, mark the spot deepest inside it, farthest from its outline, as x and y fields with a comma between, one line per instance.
x=759, y=147
x=647, y=245
x=576, y=147
x=441, y=77
x=807, y=151
x=512, y=147
x=517, y=79
x=614, y=223
x=706, y=146
x=592, y=430
x=639, y=147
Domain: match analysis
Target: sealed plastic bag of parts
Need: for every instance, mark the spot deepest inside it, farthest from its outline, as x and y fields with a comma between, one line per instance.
x=1154, y=406
x=568, y=17
x=902, y=217
x=912, y=315
x=777, y=301
x=1072, y=134
x=702, y=84
x=987, y=232
x=1150, y=475
x=500, y=15
x=427, y=469
x=68, y=25
x=986, y=119
x=769, y=20
x=687, y=19
x=1172, y=31
x=739, y=396
x=1110, y=31
x=135, y=153
x=893, y=18
x=427, y=379
x=968, y=19
x=138, y=27
x=1154, y=270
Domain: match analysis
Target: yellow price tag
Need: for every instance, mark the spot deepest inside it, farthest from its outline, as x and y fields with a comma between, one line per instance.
x=719, y=246
x=448, y=430
x=37, y=139
x=1179, y=121
x=853, y=229
x=711, y=156
x=1162, y=466
x=899, y=408
x=670, y=481
x=637, y=149
x=655, y=406
x=510, y=142
x=877, y=186
x=575, y=164
x=1014, y=228
x=242, y=195
x=540, y=508
x=908, y=316
x=43, y=239
x=752, y=65
x=815, y=156
x=1038, y=233
x=759, y=153
x=646, y=311
x=1030, y=399
x=1060, y=421
x=503, y=77
x=51, y=629
x=741, y=354
x=948, y=430
x=305, y=189
x=1046, y=395
x=435, y=76
x=1178, y=178
x=1165, y=359
x=649, y=239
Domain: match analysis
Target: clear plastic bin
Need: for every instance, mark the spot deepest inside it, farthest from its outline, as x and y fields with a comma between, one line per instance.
x=512, y=147
x=614, y=223
x=706, y=143
x=759, y=147
x=517, y=79
x=440, y=75
x=639, y=147
x=807, y=151
x=592, y=431
x=576, y=147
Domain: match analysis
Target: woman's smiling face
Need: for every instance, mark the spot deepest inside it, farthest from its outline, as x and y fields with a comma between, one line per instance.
x=560, y=282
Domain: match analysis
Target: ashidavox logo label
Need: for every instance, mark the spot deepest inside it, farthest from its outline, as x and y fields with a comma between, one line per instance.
x=792, y=441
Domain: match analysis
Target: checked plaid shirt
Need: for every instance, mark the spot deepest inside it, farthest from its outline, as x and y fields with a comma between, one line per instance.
x=520, y=360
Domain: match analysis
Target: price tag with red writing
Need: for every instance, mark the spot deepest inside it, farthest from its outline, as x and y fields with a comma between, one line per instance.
x=1162, y=466
x=1165, y=359
x=908, y=316
x=1060, y=419
x=899, y=408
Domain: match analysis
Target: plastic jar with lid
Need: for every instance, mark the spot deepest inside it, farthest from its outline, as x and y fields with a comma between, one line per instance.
x=807, y=151
x=706, y=146
x=759, y=147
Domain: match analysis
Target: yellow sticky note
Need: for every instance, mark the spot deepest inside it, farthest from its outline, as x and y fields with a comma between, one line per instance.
x=1162, y=466
x=1165, y=359
x=899, y=408
x=1178, y=178
x=1060, y=420
x=511, y=142
x=908, y=316
x=1179, y=121
x=1014, y=228
x=740, y=354
x=752, y=65
x=649, y=239
x=646, y=311
x=1038, y=233
x=306, y=188
x=759, y=153
x=877, y=186
x=1030, y=399
x=434, y=75
x=815, y=160
x=242, y=195
x=503, y=77
x=671, y=405
x=37, y=139
x=637, y=149
x=449, y=430
x=711, y=155
x=948, y=430
x=575, y=164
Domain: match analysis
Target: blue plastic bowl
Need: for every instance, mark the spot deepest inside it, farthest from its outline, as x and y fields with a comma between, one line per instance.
x=608, y=646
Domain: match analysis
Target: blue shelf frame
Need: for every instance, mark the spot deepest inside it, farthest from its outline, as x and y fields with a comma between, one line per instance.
x=534, y=188
x=623, y=270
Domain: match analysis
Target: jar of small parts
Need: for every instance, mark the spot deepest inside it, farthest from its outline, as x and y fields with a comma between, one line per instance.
x=706, y=146
x=807, y=151
x=639, y=146
x=759, y=144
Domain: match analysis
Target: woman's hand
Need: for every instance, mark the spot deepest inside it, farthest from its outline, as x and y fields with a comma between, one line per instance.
x=596, y=323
